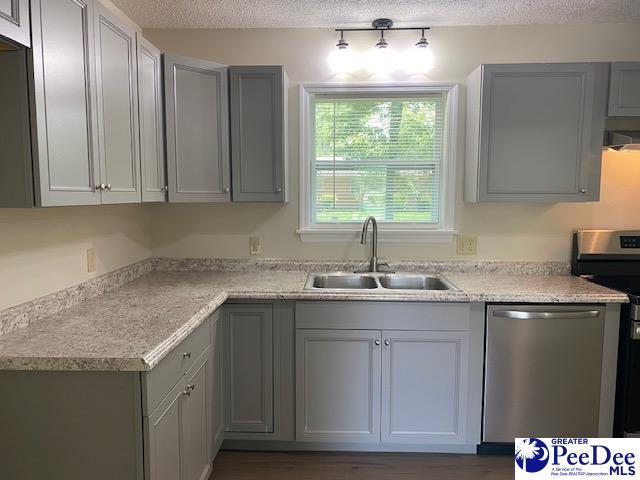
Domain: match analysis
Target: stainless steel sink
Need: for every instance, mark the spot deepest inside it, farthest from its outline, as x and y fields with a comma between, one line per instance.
x=344, y=281
x=414, y=282
x=372, y=282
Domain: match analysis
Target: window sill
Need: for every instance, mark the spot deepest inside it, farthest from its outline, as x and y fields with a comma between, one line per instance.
x=384, y=236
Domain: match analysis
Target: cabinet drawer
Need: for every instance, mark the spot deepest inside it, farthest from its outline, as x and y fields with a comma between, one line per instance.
x=161, y=379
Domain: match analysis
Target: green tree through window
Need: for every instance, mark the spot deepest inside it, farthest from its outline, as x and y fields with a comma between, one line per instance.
x=377, y=156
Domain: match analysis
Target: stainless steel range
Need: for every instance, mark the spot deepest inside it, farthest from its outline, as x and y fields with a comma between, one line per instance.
x=612, y=259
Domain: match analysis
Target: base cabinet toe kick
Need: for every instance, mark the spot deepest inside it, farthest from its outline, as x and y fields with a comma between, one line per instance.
x=315, y=375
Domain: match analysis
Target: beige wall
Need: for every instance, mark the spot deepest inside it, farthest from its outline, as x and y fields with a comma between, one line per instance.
x=513, y=231
x=44, y=250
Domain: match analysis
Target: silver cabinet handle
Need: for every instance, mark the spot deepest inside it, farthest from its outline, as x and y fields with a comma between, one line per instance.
x=100, y=186
x=278, y=190
x=387, y=343
x=524, y=315
x=190, y=388
x=227, y=190
x=108, y=186
x=583, y=190
x=377, y=342
x=186, y=355
x=166, y=188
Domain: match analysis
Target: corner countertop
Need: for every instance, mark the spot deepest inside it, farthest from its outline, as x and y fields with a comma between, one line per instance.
x=132, y=327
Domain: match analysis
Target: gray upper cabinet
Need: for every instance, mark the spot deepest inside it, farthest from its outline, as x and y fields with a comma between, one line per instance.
x=197, y=130
x=151, y=122
x=624, y=89
x=14, y=21
x=258, y=104
x=248, y=367
x=534, y=132
x=65, y=137
x=338, y=385
x=117, y=87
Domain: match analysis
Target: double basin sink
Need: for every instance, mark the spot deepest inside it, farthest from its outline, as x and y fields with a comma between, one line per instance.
x=343, y=281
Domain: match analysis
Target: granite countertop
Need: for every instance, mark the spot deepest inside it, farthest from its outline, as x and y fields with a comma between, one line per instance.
x=132, y=327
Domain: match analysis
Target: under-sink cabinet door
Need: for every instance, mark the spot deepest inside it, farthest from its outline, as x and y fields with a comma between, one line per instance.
x=164, y=429
x=338, y=385
x=424, y=378
x=248, y=368
x=196, y=421
x=118, y=129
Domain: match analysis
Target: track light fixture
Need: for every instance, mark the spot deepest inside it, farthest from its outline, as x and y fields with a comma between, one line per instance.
x=382, y=59
x=381, y=25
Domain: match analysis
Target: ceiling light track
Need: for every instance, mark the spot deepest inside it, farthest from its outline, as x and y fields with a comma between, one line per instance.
x=381, y=25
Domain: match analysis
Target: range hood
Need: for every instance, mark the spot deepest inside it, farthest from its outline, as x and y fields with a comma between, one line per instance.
x=623, y=140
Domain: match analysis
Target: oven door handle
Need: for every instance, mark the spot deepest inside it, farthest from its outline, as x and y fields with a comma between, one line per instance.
x=526, y=315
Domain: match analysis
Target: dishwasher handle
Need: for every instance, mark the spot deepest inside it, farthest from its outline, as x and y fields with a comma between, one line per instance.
x=529, y=315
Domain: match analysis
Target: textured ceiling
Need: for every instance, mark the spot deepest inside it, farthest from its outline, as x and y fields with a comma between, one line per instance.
x=332, y=13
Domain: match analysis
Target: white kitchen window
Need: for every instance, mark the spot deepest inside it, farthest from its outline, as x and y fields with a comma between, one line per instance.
x=386, y=151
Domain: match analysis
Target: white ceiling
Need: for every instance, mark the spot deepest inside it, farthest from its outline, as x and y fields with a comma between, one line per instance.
x=333, y=13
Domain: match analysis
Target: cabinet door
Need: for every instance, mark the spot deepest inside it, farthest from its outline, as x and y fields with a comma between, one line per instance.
x=541, y=130
x=117, y=87
x=624, y=89
x=196, y=421
x=424, y=378
x=248, y=368
x=197, y=122
x=338, y=385
x=258, y=102
x=164, y=431
x=14, y=21
x=217, y=412
x=64, y=102
x=153, y=165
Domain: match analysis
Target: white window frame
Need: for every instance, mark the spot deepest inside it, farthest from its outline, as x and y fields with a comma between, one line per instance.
x=442, y=233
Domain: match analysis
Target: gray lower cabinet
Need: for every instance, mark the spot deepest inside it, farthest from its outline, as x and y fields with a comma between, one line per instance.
x=197, y=130
x=164, y=431
x=249, y=368
x=424, y=386
x=153, y=425
x=258, y=366
x=534, y=132
x=152, y=159
x=624, y=89
x=14, y=21
x=400, y=375
x=258, y=112
x=338, y=385
x=117, y=87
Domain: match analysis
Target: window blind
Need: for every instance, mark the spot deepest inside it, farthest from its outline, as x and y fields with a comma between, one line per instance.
x=377, y=156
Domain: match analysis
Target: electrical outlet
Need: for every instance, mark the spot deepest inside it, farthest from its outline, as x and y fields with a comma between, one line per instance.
x=467, y=245
x=91, y=260
x=254, y=245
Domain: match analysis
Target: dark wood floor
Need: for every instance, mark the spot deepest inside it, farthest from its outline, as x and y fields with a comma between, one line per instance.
x=359, y=466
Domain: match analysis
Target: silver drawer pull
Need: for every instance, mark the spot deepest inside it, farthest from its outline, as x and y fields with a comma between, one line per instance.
x=190, y=388
x=186, y=355
x=525, y=315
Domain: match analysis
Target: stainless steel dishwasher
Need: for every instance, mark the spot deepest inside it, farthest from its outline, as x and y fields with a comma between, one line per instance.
x=543, y=369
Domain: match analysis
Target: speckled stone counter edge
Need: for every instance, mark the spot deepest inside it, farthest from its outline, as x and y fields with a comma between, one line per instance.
x=26, y=313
